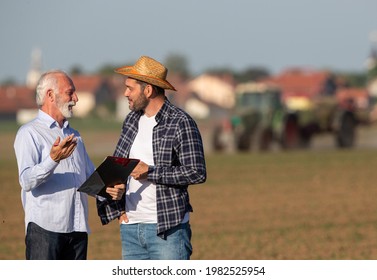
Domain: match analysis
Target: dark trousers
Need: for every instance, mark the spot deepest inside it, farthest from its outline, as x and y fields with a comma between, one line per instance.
x=42, y=244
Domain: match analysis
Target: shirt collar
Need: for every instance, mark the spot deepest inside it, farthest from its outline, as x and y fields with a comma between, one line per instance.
x=49, y=121
x=163, y=111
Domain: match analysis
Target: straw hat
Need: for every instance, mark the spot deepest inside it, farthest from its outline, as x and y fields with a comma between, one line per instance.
x=148, y=70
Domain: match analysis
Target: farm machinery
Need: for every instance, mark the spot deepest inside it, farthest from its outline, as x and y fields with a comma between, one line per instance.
x=290, y=110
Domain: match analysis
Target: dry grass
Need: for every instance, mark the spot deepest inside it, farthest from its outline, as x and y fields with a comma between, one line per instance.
x=287, y=206
x=301, y=205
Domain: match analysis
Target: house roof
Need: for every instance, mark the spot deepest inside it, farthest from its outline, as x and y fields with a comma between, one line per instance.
x=359, y=96
x=87, y=83
x=212, y=89
x=16, y=97
x=300, y=82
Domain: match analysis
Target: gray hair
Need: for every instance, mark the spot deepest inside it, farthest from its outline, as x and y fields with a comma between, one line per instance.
x=47, y=81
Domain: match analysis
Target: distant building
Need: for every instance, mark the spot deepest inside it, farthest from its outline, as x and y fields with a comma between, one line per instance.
x=372, y=67
x=17, y=103
x=35, y=71
x=209, y=95
x=296, y=82
x=94, y=93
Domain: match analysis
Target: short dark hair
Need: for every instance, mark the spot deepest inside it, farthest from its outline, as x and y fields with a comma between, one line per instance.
x=156, y=89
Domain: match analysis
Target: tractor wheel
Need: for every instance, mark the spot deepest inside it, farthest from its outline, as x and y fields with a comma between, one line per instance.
x=217, y=141
x=291, y=133
x=265, y=139
x=244, y=141
x=345, y=137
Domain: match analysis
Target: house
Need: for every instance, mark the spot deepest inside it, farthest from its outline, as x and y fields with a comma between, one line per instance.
x=94, y=93
x=296, y=82
x=17, y=103
x=209, y=96
x=299, y=85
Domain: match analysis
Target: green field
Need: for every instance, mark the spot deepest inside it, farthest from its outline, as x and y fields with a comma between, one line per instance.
x=305, y=205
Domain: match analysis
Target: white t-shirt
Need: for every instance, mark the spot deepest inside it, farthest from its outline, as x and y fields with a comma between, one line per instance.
x=141, y=206
x=141, y=194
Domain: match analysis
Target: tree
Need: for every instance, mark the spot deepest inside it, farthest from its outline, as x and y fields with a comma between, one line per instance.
x=8, y=82
x=247, y=75
x=108, y=69
x=252, y=74
x=372, y=72
x=177, y=64
x=76, y=70
x=352, y=79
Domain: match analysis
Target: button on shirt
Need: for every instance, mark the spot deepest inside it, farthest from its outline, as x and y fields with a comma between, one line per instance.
x=49, y=189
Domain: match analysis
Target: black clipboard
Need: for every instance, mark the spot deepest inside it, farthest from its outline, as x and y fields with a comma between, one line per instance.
x=112, y=171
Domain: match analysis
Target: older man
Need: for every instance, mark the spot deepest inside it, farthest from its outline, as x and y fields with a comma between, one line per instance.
x=52, y=164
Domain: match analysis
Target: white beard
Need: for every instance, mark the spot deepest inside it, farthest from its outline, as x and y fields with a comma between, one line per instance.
x=65, y=108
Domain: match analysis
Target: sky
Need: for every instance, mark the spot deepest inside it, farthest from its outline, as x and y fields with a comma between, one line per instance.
x=237, y=34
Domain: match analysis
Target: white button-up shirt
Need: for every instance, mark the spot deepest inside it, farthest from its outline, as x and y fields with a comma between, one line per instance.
x=49, y=189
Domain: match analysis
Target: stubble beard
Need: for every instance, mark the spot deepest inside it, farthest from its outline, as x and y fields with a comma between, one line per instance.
x=139, y=104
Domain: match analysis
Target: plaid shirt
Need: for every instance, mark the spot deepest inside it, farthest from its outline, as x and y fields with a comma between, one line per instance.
x=179, y=162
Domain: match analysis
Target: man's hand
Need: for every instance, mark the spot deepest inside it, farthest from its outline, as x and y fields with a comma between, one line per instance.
x=140, y=172
x=123, y=218
x=117, y=191
x=63, y=149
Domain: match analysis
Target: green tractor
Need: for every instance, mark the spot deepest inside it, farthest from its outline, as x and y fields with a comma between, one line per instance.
x=261, y=117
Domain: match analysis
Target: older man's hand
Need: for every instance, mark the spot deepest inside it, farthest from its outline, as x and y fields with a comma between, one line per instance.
x=63, y=149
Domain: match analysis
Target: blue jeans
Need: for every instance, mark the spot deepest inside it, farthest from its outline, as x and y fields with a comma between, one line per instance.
x=42, y=244
x=140, y=242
